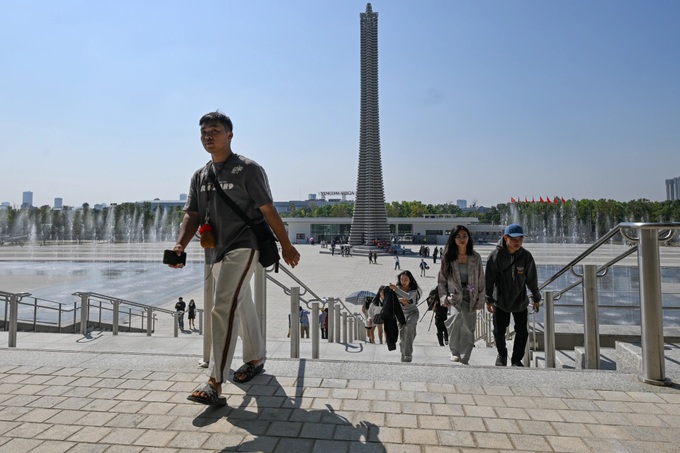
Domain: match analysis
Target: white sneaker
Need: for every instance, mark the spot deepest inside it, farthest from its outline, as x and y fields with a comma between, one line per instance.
x=455, y=358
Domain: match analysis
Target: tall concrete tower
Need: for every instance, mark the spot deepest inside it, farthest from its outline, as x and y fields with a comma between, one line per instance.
x=370, y=216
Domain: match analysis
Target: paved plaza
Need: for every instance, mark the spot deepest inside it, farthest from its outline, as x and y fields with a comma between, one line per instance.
x=95, y=393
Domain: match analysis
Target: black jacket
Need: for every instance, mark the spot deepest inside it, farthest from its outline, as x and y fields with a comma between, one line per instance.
x=507, y=278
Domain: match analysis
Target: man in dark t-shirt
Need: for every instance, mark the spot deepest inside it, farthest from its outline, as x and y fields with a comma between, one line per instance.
x=180, y=306
x=231, y=254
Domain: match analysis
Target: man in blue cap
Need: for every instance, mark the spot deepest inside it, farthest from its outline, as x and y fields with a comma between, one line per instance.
x=510, y=270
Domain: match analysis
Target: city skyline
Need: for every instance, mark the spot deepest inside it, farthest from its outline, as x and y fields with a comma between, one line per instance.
x=481, y=101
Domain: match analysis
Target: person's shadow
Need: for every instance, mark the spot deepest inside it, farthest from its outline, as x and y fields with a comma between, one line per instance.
x=289, y=427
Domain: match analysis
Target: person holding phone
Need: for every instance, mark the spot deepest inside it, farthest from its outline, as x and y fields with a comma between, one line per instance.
x=231, y=254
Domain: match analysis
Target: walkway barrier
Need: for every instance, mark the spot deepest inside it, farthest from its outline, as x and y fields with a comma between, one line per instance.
x=647, y=237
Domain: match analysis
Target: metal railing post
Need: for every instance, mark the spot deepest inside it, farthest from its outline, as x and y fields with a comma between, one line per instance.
x=316, y=333
x=651, y=309
x=260, y=296
x=149, y=321
x=351, y=331
x=591, y=336
x=336, y=322
x=35, y=314
x=330, y=314
x=200, y=321
x=549, y=330
x=13, y=320
x=344, y=326
x=59, y=325
x=175, y=322
x=114, y=322
x=84, y=312
x=295, y=322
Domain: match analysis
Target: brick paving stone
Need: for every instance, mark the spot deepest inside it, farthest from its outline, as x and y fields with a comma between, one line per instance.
x=122, y=436
x=471, y=389
x=155, y=438
x=429, y=397
x=645, y=420
x=110, y=383
x=545, y=415
x=417, y=408
x=530, y=442
x=383, y=434
x=188, y=440
x=401, y=420
x=12, y=413
x=549, y=403
x=479, y=411
x=420, y=436
x=387, y=385
x=401, y=448
x=133, y=384
x=571, y=429
x=6, y=426
x=356, y=405
x=37, y=415
x=567, y=444
x=456, y=438
x=20, y=400
x=492, y=440
x=126, y=420
x=434, y=422
x=468, y=424
x=501, y=425
x=73, y=403
x=334, y=383
x=58, y=432
x=536, y=427
x=131, y=407
x=614, y=395
x=513, y=413
x=459, y=399
x=218, y=441
x=610, y=418
x=97, y=448
x=488, y=400
x=389, y=407
x=156, y=422
x=284, y=429
x=95, y=418
x=498, y=390
x=136, y=374
x=27, y=430
x=19, y=445
x=610, y=432
x=53, y=447
x=89, y=434
x=317, y=430
x=47, y=401
x=448, y=409
x=79, y=392
x=29, y=389
x=581, y=405
x=519, y=401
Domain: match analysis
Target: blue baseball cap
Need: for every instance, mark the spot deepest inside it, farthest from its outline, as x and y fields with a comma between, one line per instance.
x=513, y=230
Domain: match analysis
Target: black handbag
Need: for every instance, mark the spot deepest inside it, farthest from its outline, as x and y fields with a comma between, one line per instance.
x=266, y=241
x=377, y=318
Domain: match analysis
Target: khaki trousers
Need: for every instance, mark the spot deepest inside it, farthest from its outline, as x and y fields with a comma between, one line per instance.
x=234, y=313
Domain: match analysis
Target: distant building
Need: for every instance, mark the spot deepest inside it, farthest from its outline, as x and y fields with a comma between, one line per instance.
x=182, y=197
x=27, y=200
x=462, y=204
x=673, y=189
x=58, y=203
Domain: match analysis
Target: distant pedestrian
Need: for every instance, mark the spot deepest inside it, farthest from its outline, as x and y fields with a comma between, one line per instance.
x=397, y=266
x=423, y=267
x=370, y=257
x=192, y=314
x=304, y=323
x=180, y=307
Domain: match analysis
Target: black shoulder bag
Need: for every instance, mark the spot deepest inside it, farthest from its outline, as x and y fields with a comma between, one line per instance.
x=266, y=241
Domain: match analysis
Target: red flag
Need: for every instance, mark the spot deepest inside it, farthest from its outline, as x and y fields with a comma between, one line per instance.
x=512, y=200
x=533, y=200
x=563, y=200
x=541, y=199
x=556, y=200
x=526, y=200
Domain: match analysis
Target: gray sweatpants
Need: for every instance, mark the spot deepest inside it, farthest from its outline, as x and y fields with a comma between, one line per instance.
x=461, y=325
x=407, y=332
x=234, y=313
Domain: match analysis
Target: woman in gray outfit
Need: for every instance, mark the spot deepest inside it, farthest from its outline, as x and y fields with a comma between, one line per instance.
x=408, y=293
x=461, y=286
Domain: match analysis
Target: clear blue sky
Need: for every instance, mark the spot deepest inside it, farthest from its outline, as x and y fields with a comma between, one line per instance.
x=479, y=100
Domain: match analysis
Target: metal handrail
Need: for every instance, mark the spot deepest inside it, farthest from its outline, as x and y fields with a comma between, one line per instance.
x=647, y=241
